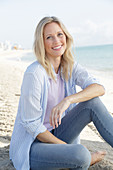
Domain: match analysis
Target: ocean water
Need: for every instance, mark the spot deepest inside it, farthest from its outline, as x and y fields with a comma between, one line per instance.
x=98, y=58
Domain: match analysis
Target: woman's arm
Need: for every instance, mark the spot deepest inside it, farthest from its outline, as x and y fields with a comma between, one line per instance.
x=48, y=137
x=93, y=90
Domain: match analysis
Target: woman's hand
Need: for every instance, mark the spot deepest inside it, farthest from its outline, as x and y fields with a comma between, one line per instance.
x=57, y=112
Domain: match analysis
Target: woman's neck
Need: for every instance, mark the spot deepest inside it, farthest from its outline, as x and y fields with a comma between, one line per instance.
x=56, y=63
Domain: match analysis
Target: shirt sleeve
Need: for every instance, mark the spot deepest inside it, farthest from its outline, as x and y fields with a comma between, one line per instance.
x=31, y=109
x=83, y=78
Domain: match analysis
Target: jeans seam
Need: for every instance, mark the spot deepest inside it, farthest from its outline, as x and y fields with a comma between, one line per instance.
x=75, y=166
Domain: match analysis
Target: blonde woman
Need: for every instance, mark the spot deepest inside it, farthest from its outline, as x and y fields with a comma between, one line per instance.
x=51, y=114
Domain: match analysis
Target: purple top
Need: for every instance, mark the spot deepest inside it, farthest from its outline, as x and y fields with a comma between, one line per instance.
x=55, y=95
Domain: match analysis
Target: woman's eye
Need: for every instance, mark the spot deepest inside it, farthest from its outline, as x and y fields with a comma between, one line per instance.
x=60, y=34
x=48, y=37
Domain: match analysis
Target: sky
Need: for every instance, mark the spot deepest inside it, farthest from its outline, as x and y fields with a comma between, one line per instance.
x=90, y=22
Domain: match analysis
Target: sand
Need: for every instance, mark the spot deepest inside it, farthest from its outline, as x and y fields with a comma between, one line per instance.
x=11, y=75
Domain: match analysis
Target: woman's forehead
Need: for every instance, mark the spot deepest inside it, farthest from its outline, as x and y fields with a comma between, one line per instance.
x=52, y=28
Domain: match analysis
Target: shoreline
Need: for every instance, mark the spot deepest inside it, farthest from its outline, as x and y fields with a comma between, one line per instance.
x=10, y=83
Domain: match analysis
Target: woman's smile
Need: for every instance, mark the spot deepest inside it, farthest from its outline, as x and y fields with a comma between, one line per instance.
x=57, y=48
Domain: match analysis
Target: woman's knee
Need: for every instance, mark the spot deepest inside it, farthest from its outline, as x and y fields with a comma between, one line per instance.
x=81, y=156
x=94, y=103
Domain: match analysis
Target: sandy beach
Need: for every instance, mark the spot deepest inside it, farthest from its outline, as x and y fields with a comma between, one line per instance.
x=11, y=75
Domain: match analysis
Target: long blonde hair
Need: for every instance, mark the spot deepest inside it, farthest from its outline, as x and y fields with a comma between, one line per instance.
x=67, y=60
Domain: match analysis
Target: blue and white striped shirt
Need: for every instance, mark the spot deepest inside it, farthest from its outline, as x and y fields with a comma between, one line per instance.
x=32, y=108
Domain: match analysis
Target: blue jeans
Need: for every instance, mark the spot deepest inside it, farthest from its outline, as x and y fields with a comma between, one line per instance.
x=45, y=156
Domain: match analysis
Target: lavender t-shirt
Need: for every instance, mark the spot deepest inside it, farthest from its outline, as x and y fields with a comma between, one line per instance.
x=55, y=95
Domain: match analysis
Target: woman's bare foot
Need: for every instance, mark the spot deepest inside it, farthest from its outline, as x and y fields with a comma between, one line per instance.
x=97, y=157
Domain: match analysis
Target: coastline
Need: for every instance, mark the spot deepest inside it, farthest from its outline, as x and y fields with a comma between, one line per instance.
x=10, y=83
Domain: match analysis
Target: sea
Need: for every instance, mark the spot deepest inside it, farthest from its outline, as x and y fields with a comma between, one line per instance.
x=98, y=58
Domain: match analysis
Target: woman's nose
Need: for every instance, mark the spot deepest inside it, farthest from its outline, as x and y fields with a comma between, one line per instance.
x=56, y=40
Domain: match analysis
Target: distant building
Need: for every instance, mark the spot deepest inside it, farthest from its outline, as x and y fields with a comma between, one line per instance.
x=1, y=46
x=16, y=47
x=8, y=46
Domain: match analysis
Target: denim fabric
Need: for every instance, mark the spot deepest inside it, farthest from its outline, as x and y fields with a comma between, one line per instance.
x=74, y=156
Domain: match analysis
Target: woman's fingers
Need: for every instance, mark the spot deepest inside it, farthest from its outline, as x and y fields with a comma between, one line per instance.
x=59, y=120
x=57, y=112
x=55, y=117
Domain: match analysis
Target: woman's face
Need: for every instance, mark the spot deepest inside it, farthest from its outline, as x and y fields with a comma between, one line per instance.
x=54, y=40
